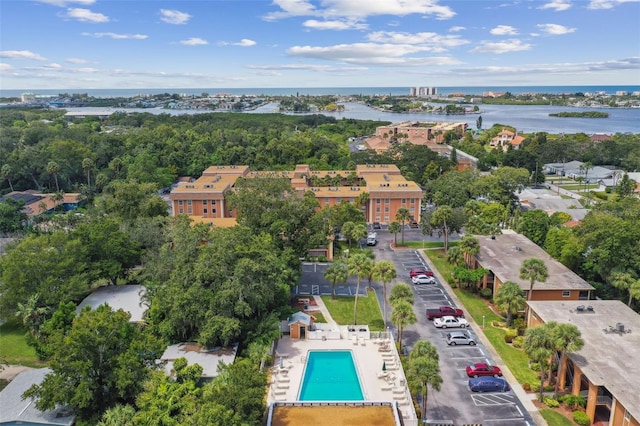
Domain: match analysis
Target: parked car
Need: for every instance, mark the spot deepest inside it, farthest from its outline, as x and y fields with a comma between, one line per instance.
x=420, y=271
x=443, y=311
x=423, y=279
x=376, y=225
x=489, y=384
x=481, y=369
x=372, y=239
x=460, y=338
x=450, y=322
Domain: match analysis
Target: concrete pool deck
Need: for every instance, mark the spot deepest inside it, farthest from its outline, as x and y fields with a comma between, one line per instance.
x=369, y=356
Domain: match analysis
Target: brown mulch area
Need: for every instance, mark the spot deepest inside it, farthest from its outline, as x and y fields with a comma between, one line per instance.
x=333, y=416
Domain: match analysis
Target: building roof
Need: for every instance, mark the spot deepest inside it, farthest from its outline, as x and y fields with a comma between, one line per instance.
x=504, y=256
x=300, y=317
x=208, y=359
x=607, y=357
x=125, y=297
x=36, y=202
x=15, y=410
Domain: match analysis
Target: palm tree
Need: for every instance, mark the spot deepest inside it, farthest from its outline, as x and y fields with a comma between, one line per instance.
x=53, y=169
x=424, y=373
x=441, y=218
x=33, y=314
x=469, y=246
x=402, y=315
x=626, y=281
x=337, y=272
x=566, y=339
x=510, y=299
x=87, y=164
x=385, y=271
x=368, y=270
x=401, y=292
x=455, y=256
x=359, y=231
x=402, y=215
x=394, y=228
x=538, y=347
x=355, y=266
x=534, y=270
x=424, y=348
x=347, y=231
x=6, y=173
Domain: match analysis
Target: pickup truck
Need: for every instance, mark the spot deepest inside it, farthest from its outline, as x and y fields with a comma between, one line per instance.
x=444, y=311
x=448, y=322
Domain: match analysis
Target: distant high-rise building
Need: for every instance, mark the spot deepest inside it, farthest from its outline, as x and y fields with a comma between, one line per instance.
x=423, y=92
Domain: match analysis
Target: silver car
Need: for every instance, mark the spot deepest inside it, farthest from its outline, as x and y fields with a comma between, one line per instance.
x=460, y=338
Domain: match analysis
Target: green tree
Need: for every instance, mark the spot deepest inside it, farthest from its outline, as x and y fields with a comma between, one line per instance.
x=12, y=216
x=394, y=228
x=359, y=232
x=455, y=256
x=348, y=230
x=625, y=281
x=118, y=415
x=534, y=270
x=6, y=172
x=102, y=361
x=424, y=348
x=510, y=299
x=337, y=272
x=441, y=218
x=566, y=339
x=424, y=374
x=385, y=271
x=402, y=315
x=402, y=216
x=401, y=291
x=356, y=266
x=470, y=247
x=538, y=346
x=87, y=165
x=534, y=224
x=54, y=169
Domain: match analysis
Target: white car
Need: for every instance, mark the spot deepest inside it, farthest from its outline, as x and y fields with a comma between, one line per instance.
x=448, y=321
x=423, y=279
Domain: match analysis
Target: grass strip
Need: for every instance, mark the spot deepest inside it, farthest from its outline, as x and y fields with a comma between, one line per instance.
x=341, y=310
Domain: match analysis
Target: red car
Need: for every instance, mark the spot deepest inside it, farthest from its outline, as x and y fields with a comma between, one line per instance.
x=420, y=271
x=481, y=369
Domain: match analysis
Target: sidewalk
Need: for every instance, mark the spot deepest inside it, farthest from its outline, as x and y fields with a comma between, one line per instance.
x=325, y=311
x=9, y=372
x=525, y=398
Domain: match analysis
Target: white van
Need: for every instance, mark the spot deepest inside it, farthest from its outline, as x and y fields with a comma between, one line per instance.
x=371, y=239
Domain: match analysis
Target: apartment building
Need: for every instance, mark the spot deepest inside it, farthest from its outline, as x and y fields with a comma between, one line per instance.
x=603, y=370
x=203, y=199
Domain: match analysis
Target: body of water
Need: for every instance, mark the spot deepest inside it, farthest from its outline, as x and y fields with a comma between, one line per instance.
x=317, y=91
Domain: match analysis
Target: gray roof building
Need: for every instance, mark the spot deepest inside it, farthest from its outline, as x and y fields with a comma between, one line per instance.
x=17, y=411
x=207, y=358
x=125, y=297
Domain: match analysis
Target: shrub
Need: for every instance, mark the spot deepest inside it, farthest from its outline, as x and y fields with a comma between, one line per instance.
x=520, y=325
x=550, y=402
x=535, y=387
x=573, y=401
x=526, y=387
x=510, y=335
x=608, y=190
x=581, y=418
x=322, y=259
x=518, y=342
x=600, y=195
x=549, y=388
x=486, y=293
x=535, y=366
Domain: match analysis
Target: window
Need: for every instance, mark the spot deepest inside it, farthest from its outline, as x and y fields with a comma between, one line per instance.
x=181, y=211
x=412, y=201
x=179, y=202
x=627, y=415
x=566, y=293
x=386, y=209
x=189, y=202
x=386, y=218
x=205, y=202
x=404, y=201
x=386, y=201
x=377, y=209
x=377, y=218
x=189, y=211
x=326, y=200
x=204, y=211
x=213, y=202
x=213, y=211
x=338, y=200
x=377, y=200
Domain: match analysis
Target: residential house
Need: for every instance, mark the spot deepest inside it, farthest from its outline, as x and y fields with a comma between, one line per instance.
x=503, y=255
x=17, y=411
x=37, y=203
x=505, y=139
x=129, y=298
x=207, y=358
x=603, y=370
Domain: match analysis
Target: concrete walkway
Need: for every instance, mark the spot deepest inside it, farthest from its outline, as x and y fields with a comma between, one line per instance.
x=524, y=397
x=325, y=311
x=9, y=372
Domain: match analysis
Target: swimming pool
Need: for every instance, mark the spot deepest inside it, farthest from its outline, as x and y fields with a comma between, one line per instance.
x=330, y=376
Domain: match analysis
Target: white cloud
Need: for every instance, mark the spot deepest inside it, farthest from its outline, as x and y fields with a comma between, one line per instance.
x=21, y=54
x=371, y=53
x=505, y=46
x=307, y=67
x=334, y=25
x=85, y=15
x=5, y=67
x=87, y=70
x=360, y=9
x=245, y=42
x=433, y=39
x=504, y=30
x=64, y=3
x=116, y=36
x=456, y=29
x=555, y=29
x=194, y=41
x=76, y=61
x=557, y=5
x=174, y=17
x=607, y=4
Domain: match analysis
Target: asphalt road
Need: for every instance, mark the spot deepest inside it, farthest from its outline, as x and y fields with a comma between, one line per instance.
x=455, y=403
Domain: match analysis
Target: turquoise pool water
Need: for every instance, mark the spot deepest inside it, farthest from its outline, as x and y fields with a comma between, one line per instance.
x=330, y=376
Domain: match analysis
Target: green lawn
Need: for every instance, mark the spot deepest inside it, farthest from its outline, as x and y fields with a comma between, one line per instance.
x=476, y=307
x=554, y=418
x=14, y=348
x=369, y=312
x=426, y=244
x=318, y=316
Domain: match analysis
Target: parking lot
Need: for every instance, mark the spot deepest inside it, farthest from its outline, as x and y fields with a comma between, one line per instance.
x=313, y=282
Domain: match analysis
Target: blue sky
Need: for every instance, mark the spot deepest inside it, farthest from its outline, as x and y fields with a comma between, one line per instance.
x=102, y=44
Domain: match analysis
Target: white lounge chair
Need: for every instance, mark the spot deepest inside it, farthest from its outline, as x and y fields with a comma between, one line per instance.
x=279, y=391
x=282, y=386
